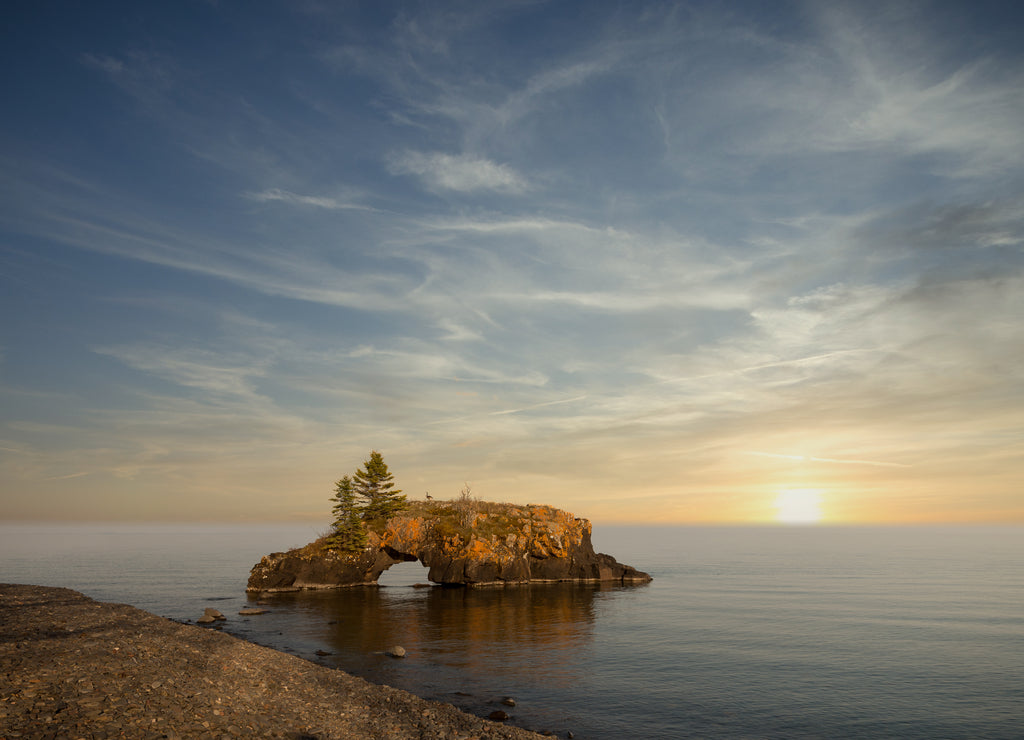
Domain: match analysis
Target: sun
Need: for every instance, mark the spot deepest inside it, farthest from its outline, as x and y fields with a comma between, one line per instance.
x=798, y=506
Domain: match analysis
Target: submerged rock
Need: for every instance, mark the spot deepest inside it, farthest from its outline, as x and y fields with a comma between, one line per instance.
x=461, y=543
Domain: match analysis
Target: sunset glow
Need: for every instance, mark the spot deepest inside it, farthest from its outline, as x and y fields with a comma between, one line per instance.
x=657, y=262
x=798, y=506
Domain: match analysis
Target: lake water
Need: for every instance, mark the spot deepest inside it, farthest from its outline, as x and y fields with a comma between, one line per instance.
x=774, y=632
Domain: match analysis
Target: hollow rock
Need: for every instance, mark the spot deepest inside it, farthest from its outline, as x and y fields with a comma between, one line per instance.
x=471, y=544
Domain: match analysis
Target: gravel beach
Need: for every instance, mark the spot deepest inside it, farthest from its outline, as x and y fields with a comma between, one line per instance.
x=72, y=667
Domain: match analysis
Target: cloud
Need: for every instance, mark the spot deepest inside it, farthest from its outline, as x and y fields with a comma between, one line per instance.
x=803, y=458
x=149, y=77
x=541, y=263
x=521, y=103
x=507, y=412
x=103, y=62
x=968, y=106
x=966, y=114
x=422, y=364
x=316, y=201
x=957, y=225
x=546, y=404
x=863, y=87
x=967, y=109
x=461, y=173
x=213, y=372
x=67, y=477
x=76, y=212
x=632, y=301
x=456, y=332
x=418, y=64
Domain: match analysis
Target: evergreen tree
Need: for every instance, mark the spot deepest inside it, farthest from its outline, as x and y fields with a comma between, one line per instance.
x=349, y=534
x=374, y=484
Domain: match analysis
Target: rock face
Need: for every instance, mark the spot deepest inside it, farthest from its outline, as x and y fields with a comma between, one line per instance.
x=462, y=543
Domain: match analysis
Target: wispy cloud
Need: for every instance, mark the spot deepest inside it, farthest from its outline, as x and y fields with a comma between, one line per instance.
x=211, y=372
x=103, y=62
x=811, y=458
x=508, y=412
x=522, y=102
x=316, y=201
x=67, y=477
x=970, y=110
x=398, y=363
x=93, y=218
x=538, y=406
x=462, y=173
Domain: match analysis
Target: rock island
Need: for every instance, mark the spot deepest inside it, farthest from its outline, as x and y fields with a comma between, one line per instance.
x=461, y=542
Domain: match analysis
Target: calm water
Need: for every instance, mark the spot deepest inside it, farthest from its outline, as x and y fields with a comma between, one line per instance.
x=782, y=632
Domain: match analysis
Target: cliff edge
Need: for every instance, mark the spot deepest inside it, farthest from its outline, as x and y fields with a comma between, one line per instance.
x=467, y=543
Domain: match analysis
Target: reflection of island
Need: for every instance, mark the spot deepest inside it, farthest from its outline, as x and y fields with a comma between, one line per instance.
x=473, y=631
x=461, y=542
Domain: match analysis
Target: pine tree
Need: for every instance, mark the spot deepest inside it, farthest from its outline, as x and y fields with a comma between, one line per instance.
x=349, y=534
x=374, y=483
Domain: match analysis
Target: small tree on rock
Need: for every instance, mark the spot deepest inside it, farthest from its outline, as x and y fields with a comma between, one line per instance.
x=348, y=531
x=375, y=484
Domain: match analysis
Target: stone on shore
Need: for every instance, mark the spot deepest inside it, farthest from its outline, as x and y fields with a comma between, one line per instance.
x=210, y=616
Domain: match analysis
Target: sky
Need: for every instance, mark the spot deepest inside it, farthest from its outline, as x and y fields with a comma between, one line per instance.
x=673, y=262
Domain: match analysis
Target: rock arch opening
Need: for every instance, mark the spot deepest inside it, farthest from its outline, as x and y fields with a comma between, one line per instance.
x=404, y=574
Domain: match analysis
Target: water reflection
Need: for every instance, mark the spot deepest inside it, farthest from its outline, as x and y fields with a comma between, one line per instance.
x=482, y=642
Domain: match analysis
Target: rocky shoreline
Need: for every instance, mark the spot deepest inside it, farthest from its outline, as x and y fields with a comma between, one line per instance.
x=72, y=667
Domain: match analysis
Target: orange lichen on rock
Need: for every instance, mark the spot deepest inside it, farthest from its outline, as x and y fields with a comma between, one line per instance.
x=461, y=542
